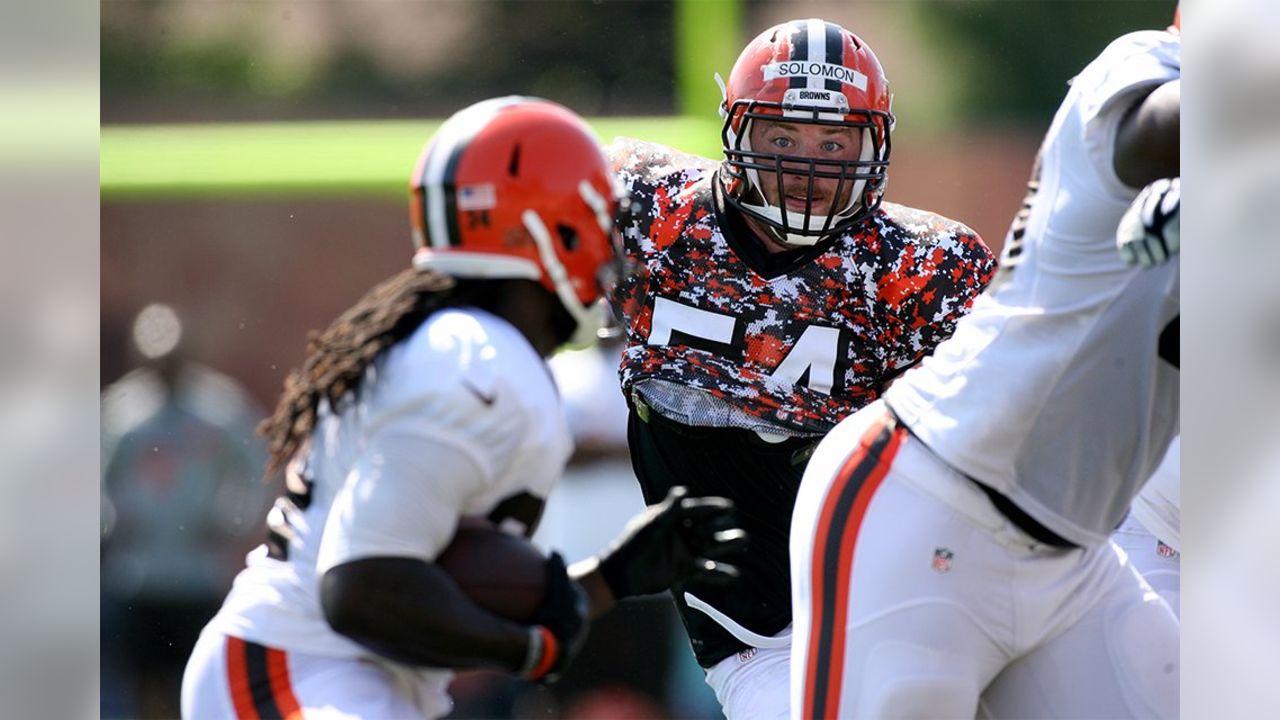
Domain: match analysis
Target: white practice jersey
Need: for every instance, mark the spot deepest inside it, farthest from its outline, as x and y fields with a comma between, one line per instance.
x=460, y=418
x=1053, y=390
x=1158, y=507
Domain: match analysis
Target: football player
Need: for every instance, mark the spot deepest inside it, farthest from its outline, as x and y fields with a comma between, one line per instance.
x=951, y=541
x=779, y=293
x=428, y=401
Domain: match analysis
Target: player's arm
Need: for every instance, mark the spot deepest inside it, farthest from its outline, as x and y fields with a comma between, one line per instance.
x=628, y=296
x=920, y=309
x=409, y=610
x=380, y=588
x=1147, y=144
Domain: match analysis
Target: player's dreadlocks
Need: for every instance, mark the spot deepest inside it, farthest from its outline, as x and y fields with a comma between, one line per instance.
x=337, y=358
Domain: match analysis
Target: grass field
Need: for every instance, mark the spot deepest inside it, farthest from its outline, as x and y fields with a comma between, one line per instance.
x=362, y=158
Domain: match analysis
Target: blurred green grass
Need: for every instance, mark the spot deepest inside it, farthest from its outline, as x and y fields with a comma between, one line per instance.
x=314, y=158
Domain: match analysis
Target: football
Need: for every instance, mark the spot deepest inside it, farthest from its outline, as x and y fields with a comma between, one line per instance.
x=501, y=572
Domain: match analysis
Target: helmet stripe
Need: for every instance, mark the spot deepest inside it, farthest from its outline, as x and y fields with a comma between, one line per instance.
x=835, y=52
x=799, y=51
x=432, y=181
x=817, y=46
x=450, y=184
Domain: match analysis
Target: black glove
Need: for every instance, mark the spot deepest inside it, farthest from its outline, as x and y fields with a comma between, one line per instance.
x=560, y=625
x=679, y=539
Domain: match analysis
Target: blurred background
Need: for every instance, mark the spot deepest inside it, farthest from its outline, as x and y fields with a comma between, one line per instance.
x=254, y=170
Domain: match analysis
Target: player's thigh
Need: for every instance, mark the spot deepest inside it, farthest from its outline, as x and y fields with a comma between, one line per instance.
x=753, y=684
x=1119, y=660
x=918, y=627
x=824, y=478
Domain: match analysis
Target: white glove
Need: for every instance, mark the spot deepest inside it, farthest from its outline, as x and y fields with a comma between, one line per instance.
x=1148, y=232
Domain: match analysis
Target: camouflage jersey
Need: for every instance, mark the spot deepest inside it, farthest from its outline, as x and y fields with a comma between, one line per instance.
x=724, y=339
x=721, y=333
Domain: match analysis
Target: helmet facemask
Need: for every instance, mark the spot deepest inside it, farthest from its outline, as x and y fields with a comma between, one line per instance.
x=860, y=183
x=592, y=318
x=805, y=73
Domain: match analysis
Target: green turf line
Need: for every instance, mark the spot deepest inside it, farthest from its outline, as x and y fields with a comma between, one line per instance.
x=362, y=158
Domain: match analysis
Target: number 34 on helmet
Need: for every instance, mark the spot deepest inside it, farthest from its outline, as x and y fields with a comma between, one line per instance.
x=518, y=187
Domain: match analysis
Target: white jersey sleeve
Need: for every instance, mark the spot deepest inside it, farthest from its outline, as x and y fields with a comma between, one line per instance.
x=403, y=498
x=494, y=401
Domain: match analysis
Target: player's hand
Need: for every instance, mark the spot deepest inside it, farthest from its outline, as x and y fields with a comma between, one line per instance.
x=560, y=626
x=680, y=539
x=1148, y=233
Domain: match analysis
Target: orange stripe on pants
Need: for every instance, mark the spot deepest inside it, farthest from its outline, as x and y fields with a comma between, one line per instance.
x=281, y=688
x=238, y=680
x=833, y=549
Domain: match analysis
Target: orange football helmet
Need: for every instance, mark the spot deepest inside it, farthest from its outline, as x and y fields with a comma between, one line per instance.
x=518, y=187
x=806, y=72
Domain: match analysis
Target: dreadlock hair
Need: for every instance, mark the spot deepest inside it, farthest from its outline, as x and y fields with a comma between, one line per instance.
x=337, y=358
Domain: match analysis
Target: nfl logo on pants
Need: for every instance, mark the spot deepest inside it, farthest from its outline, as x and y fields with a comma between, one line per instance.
x=942, y=559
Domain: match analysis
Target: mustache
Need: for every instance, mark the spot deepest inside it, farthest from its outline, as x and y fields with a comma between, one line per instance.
x=801, y=189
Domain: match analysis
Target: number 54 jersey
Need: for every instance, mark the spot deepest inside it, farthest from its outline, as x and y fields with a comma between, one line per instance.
x=722, y=334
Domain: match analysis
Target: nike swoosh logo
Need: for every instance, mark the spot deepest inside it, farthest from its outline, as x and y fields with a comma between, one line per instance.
x=487, y=399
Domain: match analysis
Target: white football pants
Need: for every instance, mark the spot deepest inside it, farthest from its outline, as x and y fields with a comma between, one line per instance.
x=227, y=677
x=754, y=684
x=912, y=595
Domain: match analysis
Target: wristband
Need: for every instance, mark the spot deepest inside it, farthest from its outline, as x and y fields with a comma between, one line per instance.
x=542, y=653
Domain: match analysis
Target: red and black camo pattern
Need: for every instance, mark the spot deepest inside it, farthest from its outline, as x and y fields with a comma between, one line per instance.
x=894, y=286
